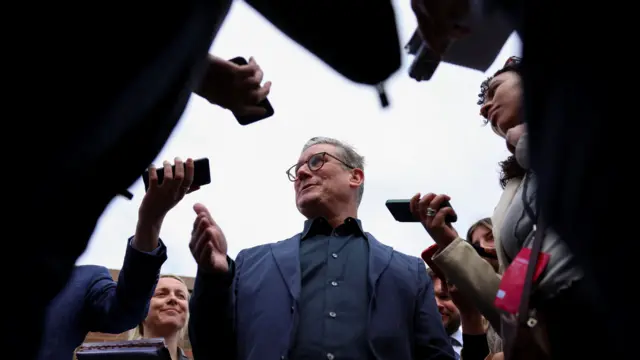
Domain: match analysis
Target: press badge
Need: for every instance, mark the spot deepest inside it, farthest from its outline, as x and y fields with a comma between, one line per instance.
x=512, y=284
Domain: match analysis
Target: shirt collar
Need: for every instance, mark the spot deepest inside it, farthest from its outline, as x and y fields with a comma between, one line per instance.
x=320, y=226
x=457, y=337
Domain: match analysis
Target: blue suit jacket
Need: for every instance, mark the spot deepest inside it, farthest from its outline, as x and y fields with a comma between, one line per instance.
x=254, y=315
x=92, y=301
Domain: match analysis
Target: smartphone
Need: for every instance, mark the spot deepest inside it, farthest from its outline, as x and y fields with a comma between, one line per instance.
x=402, y=212
x=201, y=174
x=250, y=119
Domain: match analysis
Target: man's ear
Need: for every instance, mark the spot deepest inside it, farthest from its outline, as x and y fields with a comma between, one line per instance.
x=357, y=178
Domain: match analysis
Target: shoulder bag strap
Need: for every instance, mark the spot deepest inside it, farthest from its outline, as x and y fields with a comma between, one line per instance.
x=536, y=246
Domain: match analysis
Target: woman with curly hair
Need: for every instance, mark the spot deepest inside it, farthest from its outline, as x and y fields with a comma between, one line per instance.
x=558, y=297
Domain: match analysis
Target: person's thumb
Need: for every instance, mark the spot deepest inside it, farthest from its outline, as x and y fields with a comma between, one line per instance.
x=201, y=209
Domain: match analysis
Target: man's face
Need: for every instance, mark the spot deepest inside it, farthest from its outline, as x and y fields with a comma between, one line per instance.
x=331, y=183
x=448, y=310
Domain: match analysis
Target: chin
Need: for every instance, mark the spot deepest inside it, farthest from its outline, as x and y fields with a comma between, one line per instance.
x=509, y=123
x=173, y=324
x=304, y=210
x=176, y=321
x=166, y=328
x=306, y=201
x=307, y=207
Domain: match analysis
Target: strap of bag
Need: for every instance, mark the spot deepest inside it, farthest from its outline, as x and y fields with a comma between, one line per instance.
x=536, y=247
x=511, y=331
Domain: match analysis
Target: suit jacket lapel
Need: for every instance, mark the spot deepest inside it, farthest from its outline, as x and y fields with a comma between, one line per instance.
x=379, y=258
x=287, y=256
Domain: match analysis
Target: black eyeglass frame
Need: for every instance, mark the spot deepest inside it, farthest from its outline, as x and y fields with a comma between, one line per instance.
x=293, y=176
x=512, y=60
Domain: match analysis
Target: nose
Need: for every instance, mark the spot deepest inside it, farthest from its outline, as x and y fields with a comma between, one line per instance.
x=303, y=172
x=439, y=303
x=171, y=299
x=486, y=241
x=484, y=109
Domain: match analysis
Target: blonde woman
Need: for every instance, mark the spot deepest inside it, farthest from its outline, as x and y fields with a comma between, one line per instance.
x=168, y=315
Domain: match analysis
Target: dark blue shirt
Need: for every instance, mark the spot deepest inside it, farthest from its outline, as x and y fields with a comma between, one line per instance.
x=334, y=298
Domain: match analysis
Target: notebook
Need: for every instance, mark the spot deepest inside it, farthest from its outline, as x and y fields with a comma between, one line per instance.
x=124, y=350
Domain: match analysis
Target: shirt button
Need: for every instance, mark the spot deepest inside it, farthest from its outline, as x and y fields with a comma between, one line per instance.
x=293, y=309
x=334, y=283
x=332, y=314
x=282, y=357
x=330, y=356
x=334, y=255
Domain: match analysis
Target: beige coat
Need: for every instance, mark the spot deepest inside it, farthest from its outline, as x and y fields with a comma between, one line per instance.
x=471, y=274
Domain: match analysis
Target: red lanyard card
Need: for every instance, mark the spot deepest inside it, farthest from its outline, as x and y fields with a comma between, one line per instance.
x=510, y=291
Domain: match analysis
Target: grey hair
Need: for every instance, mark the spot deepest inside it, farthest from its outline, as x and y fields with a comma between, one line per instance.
x=347, y=154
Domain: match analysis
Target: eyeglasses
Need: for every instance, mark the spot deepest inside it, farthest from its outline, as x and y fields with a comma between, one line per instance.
x=314, y=163
x=513, y=60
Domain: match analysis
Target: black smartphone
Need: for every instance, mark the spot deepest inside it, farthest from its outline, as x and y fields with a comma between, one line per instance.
x=250, y=119
x=401, y=211
x=201, y=174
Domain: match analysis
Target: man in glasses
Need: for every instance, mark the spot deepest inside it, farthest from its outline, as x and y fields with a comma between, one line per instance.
x=330, y=292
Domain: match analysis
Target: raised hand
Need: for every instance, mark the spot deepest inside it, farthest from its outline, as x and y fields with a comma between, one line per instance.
x=160, y=198
x=235, y=87
x=208, y=244
x=432, y=217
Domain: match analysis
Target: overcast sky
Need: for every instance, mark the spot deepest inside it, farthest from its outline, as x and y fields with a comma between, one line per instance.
x=430, y=139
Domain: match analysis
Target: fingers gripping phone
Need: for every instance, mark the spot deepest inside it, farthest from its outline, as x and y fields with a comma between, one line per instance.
x=265, y=104
x=401, y=211
x=201, y=174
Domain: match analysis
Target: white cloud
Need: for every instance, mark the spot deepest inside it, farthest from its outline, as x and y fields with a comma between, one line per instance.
x=429, y=140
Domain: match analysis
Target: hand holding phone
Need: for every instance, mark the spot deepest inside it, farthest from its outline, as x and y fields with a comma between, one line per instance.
x=165, y=188
x=251, y=116
x=201, y=174
x=435, y=216
x=401, y=211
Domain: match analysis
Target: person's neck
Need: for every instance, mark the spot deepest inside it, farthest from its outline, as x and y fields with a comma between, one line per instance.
x=334, y=213
x=171, y=341
x=338, y=220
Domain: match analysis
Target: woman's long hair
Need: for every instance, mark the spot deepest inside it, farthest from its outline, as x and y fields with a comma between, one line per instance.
x=138, y=332
x=486, y=222
x=510, y=169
